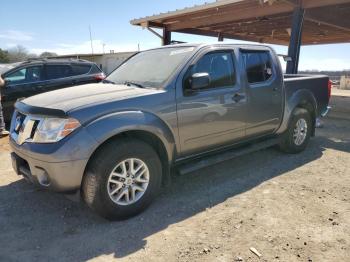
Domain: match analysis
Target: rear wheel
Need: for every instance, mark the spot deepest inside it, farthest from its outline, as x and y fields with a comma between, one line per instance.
x=122, y=179
x=297, y=137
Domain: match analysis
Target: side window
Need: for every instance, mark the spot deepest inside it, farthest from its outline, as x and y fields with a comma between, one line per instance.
x=58, y=71
x=17, y=76
x=219, y=66
x=25, y=75
x=80, y=69
x=258, y=66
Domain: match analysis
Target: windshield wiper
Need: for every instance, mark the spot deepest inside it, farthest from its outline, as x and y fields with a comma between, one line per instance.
x=129, y=83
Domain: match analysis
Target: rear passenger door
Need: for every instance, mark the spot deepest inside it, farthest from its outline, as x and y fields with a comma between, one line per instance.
x=263, y=81
x=57, y=76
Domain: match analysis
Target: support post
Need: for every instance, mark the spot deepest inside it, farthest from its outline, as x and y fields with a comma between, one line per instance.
x=166, y=37
x=220, y=38
x=295, y=40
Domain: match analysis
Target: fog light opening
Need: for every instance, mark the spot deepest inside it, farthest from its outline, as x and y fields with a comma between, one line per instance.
x=43, y=177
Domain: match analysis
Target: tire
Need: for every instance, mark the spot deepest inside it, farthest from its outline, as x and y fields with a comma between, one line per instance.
x=289, y=142
x=99, y=183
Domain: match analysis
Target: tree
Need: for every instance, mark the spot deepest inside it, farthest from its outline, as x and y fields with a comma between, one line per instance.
x=31, y=55
x=4, y=56
x=47, y=54
x=17, y=54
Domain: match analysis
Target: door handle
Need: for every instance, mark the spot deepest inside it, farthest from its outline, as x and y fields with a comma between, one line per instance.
x=275, y=89
x=237, y=97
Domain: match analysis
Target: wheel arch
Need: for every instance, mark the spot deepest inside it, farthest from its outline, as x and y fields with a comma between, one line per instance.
x=136, y=125
x=302, y=98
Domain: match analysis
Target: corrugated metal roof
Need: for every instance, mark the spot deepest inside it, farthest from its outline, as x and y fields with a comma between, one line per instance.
x=264, y=21
x=183, y=11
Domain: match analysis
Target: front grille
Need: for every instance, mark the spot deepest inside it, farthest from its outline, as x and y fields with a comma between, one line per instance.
x=24, y=128
x=19, y=121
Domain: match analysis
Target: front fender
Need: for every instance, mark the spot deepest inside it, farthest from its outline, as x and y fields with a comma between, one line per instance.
x=299, y=98
x=111, y=125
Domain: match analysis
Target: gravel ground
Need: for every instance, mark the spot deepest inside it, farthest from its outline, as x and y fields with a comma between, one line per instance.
x=287, y=207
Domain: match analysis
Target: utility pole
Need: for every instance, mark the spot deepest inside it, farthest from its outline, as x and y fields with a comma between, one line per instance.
x=92, y=48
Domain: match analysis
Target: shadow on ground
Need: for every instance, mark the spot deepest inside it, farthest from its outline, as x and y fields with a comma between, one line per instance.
x=35, y=222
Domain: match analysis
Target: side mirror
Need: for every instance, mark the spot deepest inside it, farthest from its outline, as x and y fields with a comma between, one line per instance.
x=287, y=59
x=199, y=81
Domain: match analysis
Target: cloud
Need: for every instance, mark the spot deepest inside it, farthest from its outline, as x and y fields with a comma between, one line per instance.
x=15, y=35
x=98, y=46
x=11, y=45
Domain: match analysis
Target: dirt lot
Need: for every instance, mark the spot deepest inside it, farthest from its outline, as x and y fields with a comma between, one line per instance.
x=288, y=207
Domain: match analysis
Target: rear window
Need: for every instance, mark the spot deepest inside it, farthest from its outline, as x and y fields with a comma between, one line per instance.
x=80, y=69
x=258, y=66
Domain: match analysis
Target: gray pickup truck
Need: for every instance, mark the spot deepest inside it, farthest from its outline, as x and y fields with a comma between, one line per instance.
x=182, y=106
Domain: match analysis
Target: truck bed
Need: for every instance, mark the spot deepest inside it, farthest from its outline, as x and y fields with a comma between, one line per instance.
x=317, y=84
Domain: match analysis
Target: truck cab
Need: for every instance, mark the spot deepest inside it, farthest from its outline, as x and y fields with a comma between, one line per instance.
x=231, y=106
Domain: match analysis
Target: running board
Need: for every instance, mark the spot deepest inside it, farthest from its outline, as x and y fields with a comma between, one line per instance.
x=203, y=162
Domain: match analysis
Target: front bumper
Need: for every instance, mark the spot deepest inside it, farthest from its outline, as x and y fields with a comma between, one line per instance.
x=58, y=167
x=59, y=177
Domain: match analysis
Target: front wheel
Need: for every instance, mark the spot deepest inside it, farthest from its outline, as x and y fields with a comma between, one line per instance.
x=122, y=179
x=297, y=137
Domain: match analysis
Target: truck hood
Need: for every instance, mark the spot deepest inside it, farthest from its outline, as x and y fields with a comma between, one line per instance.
x=71, y=98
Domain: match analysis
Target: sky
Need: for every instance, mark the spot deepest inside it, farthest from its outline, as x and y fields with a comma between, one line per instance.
x=62, y=26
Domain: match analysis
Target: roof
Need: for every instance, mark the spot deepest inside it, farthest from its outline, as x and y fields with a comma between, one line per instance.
x=264, y=21
x=4, y=68
x=77, y=55
x=219, y=44
x=93, y=55
x=53, y=60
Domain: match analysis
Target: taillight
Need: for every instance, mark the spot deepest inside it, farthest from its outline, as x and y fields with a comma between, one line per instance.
x=100, y=76
x=329, y=89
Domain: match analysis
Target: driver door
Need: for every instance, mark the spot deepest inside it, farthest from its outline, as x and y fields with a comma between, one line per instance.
x=20, y=83
x=213, y=116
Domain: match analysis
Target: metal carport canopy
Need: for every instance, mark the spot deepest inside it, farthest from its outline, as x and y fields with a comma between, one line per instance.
x=282, y=22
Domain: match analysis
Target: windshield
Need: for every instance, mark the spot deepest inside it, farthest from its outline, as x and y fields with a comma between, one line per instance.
x=7, y=67
x=151, y=68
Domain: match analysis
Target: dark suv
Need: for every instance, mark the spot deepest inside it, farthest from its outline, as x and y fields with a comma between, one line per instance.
x=42, y=75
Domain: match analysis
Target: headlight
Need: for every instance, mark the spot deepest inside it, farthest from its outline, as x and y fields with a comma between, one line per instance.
x=52, y=130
